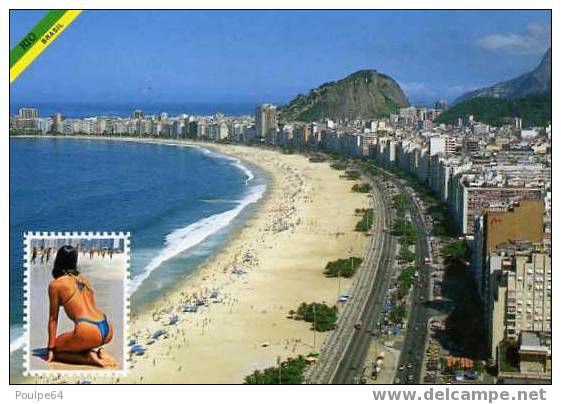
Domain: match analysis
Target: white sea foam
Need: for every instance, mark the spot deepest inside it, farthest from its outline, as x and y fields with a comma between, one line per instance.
x=187, y=237
x=18, y=338
x=249, y=174
x=236, y=162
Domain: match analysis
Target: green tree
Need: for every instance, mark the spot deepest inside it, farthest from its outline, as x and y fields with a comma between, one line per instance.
x=322, y=316
x=365, y=223
x=345, y=267
x=457, y=250
x=291, y=372
x=401, y=202
x=397, y=314
x=364, y=188
x=405, y=254
x=338, y=166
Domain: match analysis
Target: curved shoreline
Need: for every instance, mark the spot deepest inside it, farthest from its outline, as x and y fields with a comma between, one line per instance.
x=192, y=235
x=305, y=220
x=233, y=223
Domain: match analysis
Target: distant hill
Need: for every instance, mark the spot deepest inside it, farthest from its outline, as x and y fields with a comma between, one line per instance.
x=537, y=81
x=535, y=110
x=364, y=94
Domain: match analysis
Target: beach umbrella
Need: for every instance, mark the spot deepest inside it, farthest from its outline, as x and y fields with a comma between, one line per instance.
x=138, y=349
x=157, y=334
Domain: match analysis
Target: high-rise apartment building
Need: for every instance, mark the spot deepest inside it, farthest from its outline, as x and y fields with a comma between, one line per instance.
x=137, y=114
x=57, y=126
x=520, y=293
x=442, y=144
x=471, y=196
x=266, y=121
x=28, y=113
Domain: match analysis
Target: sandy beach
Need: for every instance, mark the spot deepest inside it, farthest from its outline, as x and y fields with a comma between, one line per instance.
x=270, y=266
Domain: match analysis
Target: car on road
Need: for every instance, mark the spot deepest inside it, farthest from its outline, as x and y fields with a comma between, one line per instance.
x=401, y=367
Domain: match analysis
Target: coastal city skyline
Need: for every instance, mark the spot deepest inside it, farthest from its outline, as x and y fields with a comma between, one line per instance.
x=488, y=180
x=432, y=55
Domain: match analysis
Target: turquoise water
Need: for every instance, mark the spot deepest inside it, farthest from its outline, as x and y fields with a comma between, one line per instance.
x=179, y=203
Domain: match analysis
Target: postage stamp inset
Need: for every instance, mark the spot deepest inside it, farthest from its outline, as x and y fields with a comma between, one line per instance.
x=75, y=305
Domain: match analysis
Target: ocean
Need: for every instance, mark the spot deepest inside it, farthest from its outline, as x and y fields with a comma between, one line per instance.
x=179, y=203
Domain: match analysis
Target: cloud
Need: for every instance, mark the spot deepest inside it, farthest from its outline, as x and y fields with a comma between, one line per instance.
x=536, y=39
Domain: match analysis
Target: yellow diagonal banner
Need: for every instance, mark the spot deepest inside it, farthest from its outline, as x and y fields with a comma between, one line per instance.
x=38, y=39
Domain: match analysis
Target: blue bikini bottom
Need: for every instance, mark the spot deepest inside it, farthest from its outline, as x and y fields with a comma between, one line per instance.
x=102, y=326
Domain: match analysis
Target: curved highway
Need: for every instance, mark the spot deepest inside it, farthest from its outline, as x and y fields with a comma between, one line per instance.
x=343, y=348
x=350, y=368
x=344, y=353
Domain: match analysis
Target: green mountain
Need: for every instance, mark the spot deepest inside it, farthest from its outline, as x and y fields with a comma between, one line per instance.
x=527, y=96
x=536, y=81
x=364, y=94
x=535, y=110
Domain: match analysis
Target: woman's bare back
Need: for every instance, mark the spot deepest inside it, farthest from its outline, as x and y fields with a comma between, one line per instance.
x=77, y=297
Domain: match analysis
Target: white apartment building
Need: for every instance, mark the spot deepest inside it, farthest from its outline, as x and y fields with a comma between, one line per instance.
x=520, y=292
x=442, y=144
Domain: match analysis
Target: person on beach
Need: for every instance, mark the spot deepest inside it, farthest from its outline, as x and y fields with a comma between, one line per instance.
x=92, y=330
x=34, y=255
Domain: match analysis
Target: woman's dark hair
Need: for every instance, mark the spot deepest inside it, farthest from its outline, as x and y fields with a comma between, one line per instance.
x=65, y=262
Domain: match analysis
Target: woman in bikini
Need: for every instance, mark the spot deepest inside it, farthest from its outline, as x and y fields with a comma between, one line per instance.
x=92, y=330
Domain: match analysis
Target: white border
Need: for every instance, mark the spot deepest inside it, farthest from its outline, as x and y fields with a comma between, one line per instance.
x=254, y=394
x=27, y=238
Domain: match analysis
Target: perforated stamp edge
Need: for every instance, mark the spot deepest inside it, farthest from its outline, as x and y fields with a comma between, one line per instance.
x=88, y=235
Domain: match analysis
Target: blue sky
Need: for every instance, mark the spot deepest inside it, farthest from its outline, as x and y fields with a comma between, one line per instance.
x=259, y=56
